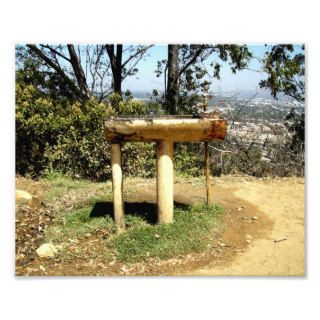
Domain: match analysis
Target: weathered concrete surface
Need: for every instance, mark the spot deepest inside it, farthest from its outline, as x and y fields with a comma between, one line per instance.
x=173, y=129
x=165, y=181
x=117, y=185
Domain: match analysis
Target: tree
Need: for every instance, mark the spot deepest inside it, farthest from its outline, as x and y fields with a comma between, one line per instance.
x=49, y=55
x=79, y=72
x=173, y=77
x=285, y=69
x=121, y=70
x=186, y=69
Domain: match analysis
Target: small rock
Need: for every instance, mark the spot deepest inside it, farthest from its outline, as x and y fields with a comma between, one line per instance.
x=248, y=236
x=221, y=244
x=20, y=194
x=47, y=250
x=42, y=268
x=112, y=262
x=157, y=236
x=124, y=269
x=255, y=218
x=248, y=241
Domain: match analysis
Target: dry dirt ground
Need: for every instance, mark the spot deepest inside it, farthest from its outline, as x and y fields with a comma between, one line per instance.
x=281, y=201
x=258, y=213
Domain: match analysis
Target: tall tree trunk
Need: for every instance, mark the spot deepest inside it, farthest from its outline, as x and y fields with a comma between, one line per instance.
x=118, y=75
x=78, y=71
x=116, y=66
x=173, y=78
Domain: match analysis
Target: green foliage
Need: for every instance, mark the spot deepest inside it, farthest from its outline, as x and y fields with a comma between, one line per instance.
x=189, y=159
x=59, y=135
x=285, y=71
x=139, y=159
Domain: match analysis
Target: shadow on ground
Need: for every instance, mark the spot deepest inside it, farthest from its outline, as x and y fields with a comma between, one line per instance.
x=146, y=210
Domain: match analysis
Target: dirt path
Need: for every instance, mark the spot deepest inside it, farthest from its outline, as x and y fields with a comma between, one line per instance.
x=282, y=200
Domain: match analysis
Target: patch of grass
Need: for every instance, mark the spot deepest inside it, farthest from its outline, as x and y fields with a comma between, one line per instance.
x=61, y=184
x=78, y=223
x=191, y=231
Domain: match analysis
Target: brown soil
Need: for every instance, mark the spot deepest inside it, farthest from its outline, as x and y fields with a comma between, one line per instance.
x=246, y=246
x=282, y=201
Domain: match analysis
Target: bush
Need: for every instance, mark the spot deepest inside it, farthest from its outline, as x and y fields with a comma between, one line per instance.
x=59, y=135
x=189, y=158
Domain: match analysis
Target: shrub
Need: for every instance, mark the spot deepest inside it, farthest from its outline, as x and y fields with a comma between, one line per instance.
x=59, y=135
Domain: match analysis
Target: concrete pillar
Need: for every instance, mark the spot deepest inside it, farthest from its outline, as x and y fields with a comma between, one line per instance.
x=117, y=186
x=165, y=181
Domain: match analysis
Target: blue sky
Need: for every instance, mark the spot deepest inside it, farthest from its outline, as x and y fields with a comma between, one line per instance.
x=146, y=80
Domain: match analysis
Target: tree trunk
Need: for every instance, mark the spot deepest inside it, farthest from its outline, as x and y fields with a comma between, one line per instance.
x=116, y=66
x=78, y=71
x=118, y=75
x=69, y=83
x=173, y=78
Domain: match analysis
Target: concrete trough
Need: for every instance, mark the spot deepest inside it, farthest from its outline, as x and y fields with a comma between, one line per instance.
x=164, y=131
x=175, y=128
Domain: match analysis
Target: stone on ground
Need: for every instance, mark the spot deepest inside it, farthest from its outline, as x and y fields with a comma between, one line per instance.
x=20, y=194
x=47, y=250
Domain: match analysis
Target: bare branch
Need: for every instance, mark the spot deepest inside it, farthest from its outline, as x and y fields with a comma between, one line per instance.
x=57, y=68
x=135, y=54
x=55, y=52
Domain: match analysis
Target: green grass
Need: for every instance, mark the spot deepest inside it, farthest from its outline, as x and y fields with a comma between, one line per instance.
x=191, y=231
x=76, y=224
